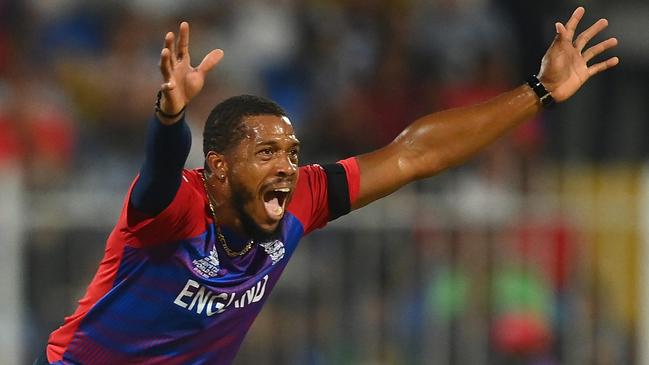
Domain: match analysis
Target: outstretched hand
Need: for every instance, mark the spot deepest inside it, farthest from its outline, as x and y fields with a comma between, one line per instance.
x=564, y=68
x=182, y=81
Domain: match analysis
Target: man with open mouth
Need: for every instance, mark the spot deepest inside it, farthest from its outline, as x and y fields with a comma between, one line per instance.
x=196, y=252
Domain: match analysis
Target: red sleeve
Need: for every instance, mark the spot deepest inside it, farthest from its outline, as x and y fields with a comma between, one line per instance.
x=184, y=217
x=310, y=202
x=353, y=178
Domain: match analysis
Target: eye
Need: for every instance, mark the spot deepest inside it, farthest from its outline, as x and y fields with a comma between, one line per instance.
x=294, y=154
x=265, y=153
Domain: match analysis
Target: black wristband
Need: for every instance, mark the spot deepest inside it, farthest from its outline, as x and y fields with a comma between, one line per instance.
x=545, y=97
x=162, y=113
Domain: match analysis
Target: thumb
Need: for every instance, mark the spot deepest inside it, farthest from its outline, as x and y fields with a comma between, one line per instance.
x=210, y=60
x=562, y=32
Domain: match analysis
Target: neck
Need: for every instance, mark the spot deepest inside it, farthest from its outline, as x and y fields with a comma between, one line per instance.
x=221, y=199
x=235, y=240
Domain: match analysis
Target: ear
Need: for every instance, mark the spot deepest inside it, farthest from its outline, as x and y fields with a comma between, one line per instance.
x=217, y=165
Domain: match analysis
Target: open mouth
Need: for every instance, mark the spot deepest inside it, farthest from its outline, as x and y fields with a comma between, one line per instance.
x=275, y=202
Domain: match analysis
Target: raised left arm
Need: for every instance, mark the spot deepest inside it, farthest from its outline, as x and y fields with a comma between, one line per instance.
x=448, y=138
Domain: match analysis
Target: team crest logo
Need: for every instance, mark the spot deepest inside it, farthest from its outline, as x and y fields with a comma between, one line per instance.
x=208, y=266
x=274, y=249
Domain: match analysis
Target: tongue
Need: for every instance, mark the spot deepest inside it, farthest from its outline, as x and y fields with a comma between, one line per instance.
x=273, y=208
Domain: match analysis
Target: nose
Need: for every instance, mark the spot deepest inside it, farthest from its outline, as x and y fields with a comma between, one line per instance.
x=286, y=166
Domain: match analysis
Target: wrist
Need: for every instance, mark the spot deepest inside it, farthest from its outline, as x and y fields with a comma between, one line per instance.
x=545, y=96
x=164, y=115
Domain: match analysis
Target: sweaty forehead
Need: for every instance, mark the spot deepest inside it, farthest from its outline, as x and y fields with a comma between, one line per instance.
x=262, y=127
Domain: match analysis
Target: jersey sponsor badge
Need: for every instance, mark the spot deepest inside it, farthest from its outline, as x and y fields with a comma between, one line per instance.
x=274, y=249
x=208, y=266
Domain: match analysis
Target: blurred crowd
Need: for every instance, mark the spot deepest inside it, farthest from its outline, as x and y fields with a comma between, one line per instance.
x=77, y=78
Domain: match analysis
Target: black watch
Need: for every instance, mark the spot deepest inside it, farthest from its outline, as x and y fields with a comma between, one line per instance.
x=545, y=97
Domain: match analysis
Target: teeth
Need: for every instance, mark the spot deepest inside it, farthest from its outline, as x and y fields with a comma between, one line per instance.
x=283, y=190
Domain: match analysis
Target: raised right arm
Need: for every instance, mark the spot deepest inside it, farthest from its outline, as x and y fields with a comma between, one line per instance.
x=169, y=138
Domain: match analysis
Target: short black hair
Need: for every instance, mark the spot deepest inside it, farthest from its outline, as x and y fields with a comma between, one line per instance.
x=224, y=127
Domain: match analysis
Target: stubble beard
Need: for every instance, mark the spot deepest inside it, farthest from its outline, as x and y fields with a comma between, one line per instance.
x=241, y=195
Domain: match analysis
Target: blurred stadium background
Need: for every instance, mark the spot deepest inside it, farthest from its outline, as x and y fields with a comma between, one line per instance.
x=535, y=252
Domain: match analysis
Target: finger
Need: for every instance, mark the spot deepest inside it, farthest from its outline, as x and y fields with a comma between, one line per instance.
x=166, y=70
x=589, y=33
x=599, y=48
x=183, y=42
x=165, y=64
x=605, y=65
x=210, y=61
x=574, y=20
x=562, y=33
x=170, y=44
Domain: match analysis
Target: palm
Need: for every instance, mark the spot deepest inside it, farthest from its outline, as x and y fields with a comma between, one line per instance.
x=186, y=82
x=193, y=84
x=564, y=68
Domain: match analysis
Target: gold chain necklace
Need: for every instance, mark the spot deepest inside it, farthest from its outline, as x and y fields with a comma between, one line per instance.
x=230, y=252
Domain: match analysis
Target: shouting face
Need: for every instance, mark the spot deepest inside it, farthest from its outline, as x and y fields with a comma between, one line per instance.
x=262, y=173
